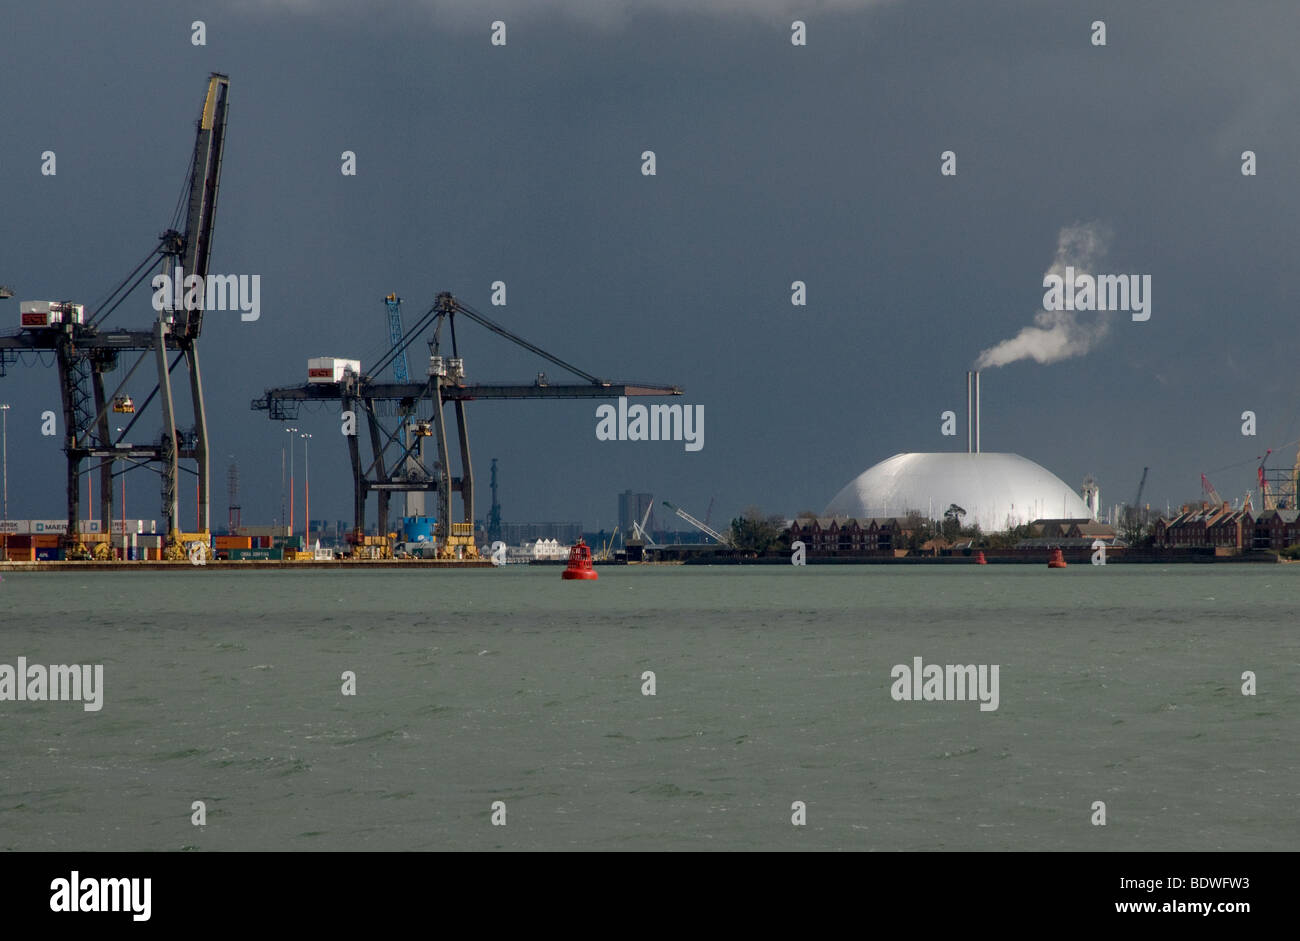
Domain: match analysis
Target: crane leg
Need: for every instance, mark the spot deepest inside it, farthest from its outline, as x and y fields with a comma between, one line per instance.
x=444, y=468
x=372, y=422
x=358, y=481
x=106, y=465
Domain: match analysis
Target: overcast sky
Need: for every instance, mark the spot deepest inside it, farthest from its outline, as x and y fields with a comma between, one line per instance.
x=775, y=163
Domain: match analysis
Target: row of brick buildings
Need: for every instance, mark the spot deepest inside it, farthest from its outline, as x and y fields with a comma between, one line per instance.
x=1199, y=526
x=888, y=534
x=1225, y=528
x=826, y=535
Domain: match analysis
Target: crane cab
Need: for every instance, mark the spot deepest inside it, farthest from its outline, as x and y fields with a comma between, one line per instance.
x=124, y=405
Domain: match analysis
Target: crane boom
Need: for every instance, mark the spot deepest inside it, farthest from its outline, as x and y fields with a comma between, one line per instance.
x=708, y=531
x=205, y=178
x=1142, y=485
x=1210, y=491
x=638, y=529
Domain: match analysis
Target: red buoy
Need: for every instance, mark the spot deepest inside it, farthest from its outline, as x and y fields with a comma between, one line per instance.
x=580, y=566
x=1057, y=560
x=979, y=558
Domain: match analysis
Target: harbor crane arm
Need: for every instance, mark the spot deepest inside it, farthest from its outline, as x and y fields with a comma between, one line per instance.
x=1142, y=485
x=1211, y=492
x=698, y=525
x=638, y=529
x=205, y=178
x=444, y=308
x=520, y=341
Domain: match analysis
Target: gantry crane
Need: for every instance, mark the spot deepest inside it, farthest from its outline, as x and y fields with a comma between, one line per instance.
x=412, y=467
x=444, y=383
x=85, y=350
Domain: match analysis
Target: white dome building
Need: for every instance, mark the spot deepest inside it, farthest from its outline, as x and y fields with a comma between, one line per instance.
x=997, y=491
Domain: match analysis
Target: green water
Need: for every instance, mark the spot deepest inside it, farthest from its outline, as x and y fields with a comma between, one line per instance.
x=1120, y=685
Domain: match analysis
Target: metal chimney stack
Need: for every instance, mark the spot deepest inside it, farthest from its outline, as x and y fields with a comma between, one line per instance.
x=970, y=432
x=977, y=412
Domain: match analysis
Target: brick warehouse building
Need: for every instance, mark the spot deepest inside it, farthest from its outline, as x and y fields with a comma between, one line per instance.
x=833, y=536
x=1221, y=527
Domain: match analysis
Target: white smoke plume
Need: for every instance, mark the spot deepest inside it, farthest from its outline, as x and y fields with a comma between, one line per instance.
x=1059, y=334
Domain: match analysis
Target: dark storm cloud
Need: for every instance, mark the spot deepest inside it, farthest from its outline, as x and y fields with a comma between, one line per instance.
x=775, y=164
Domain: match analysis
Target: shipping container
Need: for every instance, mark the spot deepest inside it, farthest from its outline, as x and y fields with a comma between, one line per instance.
x=331, y=368
x=45, y=541
x=49, y=526
x=15, y=554
x=48, y=554
x=254, y=555
x=289, y=542
x=135, y=526
x=15, y=526
x=19, y=540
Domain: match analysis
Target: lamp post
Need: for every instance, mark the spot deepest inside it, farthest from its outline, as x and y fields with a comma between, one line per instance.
x=290, y=432
x=4, y=433
x=306, y=483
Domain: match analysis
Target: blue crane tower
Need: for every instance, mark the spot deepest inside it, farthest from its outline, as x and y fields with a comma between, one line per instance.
x=394, y=304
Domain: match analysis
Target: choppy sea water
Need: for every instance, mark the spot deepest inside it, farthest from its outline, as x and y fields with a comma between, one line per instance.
x=1117, y=684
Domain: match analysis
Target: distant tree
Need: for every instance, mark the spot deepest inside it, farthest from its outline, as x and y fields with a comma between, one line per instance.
x=756, y=532
x=918, y=529
x=1009, y=538
x=952, y=518
x=1135, y=527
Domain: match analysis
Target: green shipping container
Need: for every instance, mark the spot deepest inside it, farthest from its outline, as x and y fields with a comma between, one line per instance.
x=261, y=555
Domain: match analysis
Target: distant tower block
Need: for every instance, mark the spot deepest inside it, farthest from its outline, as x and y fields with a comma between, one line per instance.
x=1091, y=494
x=232, y=491
x=494, y=514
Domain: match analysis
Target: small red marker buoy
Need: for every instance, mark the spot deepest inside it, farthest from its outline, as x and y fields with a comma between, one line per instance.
x=1056, y=560
x=580, y=566
x=979, y=558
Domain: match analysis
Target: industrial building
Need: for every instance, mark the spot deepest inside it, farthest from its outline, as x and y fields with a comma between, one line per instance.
x=996, y=491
